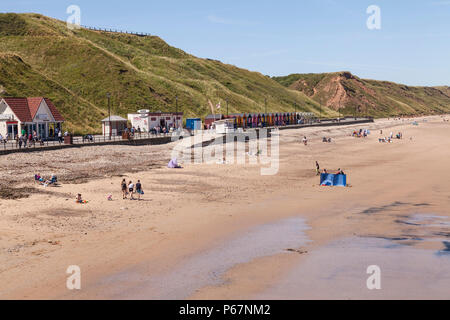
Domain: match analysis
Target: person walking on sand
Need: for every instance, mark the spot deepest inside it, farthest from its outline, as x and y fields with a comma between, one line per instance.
x=139, y=189
x=131, y=190
x=305, y=141
x=317, y=168
x=124, y=189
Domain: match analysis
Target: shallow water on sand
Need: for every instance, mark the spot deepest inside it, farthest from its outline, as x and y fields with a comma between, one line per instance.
x=425, y=220
x=208, y=267
x=339, y=271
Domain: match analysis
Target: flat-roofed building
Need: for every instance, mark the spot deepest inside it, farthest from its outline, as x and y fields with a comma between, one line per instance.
x=114, y=125
x=146, y=120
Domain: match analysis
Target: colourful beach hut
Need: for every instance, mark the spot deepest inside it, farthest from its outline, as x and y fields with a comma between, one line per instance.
x=239, y=119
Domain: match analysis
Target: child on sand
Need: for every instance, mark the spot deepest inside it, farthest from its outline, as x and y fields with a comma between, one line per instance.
x=79, y=198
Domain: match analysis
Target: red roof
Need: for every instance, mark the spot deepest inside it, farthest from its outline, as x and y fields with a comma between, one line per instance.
x=33, y=104
x=26, y=108
x=55, y=113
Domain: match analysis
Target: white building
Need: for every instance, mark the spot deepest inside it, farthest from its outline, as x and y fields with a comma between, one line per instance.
x=23, y=116
x=114, y=125
x=146, y=121
x=224, y=126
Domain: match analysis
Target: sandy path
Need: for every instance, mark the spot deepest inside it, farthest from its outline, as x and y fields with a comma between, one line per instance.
x=121, y=244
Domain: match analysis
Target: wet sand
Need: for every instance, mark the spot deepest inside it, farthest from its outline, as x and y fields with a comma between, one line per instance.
x=338, y=271
x=226, y=232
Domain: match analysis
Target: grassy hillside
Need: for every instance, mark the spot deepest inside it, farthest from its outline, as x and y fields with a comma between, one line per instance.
x=349, y=94
x=76, y=69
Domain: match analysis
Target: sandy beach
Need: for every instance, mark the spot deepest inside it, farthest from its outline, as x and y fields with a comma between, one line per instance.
x=224, y=231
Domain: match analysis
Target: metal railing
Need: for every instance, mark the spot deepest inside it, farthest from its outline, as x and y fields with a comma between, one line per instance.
x=77, y=140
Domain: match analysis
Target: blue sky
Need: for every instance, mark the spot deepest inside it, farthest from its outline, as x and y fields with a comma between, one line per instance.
x=286, y=36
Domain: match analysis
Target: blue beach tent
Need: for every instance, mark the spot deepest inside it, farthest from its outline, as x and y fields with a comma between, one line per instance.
x=333, y=180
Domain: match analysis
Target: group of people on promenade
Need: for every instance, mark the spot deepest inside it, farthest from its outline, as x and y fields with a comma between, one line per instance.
x=133, y=132
x=29, y=140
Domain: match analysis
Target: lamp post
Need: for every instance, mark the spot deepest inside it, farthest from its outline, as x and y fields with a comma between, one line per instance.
x=176, y=111
x=227, y=107
x=108, y=95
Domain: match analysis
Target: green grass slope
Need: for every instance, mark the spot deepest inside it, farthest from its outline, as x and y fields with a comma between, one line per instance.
x=349, y=94
x=41, y=56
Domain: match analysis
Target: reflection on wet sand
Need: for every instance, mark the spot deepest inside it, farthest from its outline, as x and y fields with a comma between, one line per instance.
x=208, y=267
x=338, y=271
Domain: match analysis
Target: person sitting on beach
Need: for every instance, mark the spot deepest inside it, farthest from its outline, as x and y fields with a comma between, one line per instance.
x=305, y=141
x=53, y=181
x=325, y=171
x=79, y=198
x=38, y=178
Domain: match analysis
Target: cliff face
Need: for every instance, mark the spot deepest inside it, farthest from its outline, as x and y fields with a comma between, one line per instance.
x=349, y=94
